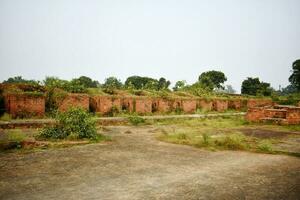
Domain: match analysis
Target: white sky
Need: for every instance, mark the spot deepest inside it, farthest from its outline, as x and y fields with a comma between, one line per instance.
x=174, y=39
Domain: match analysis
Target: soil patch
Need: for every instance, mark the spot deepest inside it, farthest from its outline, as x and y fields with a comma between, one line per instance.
x=266, y=134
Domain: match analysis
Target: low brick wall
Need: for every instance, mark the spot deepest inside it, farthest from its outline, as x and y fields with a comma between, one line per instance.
x=74, y=100
x=164, y=105
x=143, y=105
x=24, y=105
x=220, y=105
x=235, y=104
x=255, y=114
x=251, y=103
x=189, y=106
x=128, y=104
x=278, y=114
x=104, y=104
x=293, y=115
x=205, y=105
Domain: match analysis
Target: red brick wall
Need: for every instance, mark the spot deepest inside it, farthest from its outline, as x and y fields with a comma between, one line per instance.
x=104, y=104
x=143, y=105
x=275, y=113
x=23, y=105
x=164, y=105
x=128, y=104
x=220, y=105
x=235, y=104
x=189, y=106
x=259, y=102
x=205, y=105
x=74, y=100
x=255, y=114
x=293, y=115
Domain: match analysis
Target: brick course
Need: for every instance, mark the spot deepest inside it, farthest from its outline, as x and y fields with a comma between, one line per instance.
x=24, y=105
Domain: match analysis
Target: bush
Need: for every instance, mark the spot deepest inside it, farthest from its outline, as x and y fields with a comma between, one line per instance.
x=136, y=120
x=206, y=139
x=234, y=141
x=265, y=146
x=76, y=123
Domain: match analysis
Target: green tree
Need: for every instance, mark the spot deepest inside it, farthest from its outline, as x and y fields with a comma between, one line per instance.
x=253, y=86
x=163, y=84
x=138, y=82
x=113, y=83
x=88, y=82
x=213, y=79
x=19, y=79
x=179, y=85
x=295, y=77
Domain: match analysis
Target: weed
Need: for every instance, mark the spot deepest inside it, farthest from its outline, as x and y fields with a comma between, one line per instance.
x=136, y=120
x=5, y=117
x=265, y=146
x=235, y=141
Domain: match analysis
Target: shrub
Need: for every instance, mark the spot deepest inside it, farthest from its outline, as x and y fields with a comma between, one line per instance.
x=136, y=120
x=76, y=123
x=206, y=139
x=233, y=141
x=113, y=111
x=181, y=136
x=5, y=117
x=265, y=146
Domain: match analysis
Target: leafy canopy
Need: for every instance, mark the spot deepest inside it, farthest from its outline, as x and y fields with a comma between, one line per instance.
x=213, y=79
x=295, y=77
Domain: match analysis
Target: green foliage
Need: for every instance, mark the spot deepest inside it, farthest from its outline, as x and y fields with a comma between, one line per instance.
x=111, y=84
x=139, y=83
x=198, y=89
x=234, y=141
x=252, y=86
x=163, y=84
x=74, y=86
x=87, y=82
x=19, y=79
x=5, y=117
x=136, y=120
x=113, y=111
x=179, y=85
x=295, y=77
x=76, y=123
x=206, y=139
x=212, y=79
x=265, y=146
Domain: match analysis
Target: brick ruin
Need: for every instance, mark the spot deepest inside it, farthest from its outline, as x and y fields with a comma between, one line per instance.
x=23, y=105
x=73, y=100
x=276, y=114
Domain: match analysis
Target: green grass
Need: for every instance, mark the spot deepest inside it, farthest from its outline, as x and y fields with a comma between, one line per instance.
x=5, y=117
x=223, y=133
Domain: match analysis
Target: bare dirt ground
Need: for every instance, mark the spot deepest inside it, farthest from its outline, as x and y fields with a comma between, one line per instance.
x=137, y=166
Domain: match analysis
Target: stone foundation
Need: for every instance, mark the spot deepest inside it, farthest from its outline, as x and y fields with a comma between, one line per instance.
x=278, y=114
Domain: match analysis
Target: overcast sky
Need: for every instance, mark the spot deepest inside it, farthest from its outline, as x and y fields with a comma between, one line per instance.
x=174, y=39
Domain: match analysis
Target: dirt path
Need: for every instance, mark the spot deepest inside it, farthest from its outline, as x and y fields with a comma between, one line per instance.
x=137, y=166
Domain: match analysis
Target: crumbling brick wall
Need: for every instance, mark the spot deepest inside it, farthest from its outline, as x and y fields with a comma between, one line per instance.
x=164, y=105
x=235, y=104
x=259, y=103
x=128, y=104
x=73, y=100
x=293, y=115
x=143, y=105
x=205, y=105
x=255, y=114
x=189, y=106
x=220, y=105
x=24, y=105
x=104, y=104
